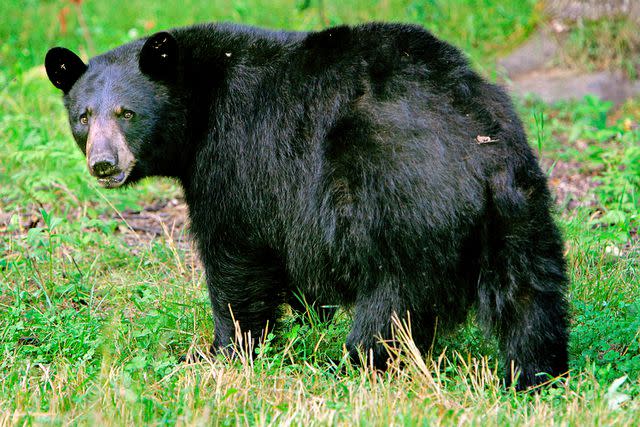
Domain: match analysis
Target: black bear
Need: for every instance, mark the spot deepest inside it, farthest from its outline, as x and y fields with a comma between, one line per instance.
x=364, y=166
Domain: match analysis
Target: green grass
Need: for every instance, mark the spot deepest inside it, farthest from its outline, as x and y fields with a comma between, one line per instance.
x=93, y=317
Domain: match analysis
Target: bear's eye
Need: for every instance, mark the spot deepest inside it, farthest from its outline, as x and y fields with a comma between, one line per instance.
x=84, y=119
x=128, y=115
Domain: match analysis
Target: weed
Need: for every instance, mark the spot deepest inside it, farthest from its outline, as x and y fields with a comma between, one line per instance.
x=608, y=43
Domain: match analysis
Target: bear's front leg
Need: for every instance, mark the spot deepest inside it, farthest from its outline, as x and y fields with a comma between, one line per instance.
x=245, y=289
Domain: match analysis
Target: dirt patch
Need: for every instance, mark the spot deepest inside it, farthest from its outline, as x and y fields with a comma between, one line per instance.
x=571, y=185
x=168, y=218
x=163, y=219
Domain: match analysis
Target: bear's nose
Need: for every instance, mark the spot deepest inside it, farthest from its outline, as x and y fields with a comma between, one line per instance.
x=104, y=167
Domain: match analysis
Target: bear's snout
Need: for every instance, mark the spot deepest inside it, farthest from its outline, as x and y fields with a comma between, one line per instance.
x=102, y=156
x=108, y=156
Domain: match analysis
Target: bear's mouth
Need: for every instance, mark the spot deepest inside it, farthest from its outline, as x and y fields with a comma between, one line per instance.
x=113, y=181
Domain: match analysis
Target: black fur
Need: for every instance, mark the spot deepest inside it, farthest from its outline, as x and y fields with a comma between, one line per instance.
x=345, y=165
x=63, y=68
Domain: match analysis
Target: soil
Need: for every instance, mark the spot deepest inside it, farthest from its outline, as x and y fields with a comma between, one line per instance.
x=571, y=186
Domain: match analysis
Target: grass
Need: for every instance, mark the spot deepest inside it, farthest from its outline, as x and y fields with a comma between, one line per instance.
x=609, y=43
x=93, y=317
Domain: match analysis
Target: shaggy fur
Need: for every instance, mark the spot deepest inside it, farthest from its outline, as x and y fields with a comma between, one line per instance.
x=344, y=165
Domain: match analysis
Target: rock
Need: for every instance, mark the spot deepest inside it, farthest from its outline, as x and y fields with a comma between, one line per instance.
x=553, y=85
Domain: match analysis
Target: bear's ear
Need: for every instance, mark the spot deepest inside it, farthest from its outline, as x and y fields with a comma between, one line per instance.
x=159, y=57
x=63, y=67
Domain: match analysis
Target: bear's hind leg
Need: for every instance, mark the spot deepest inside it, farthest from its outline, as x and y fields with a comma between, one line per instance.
x=535, y=342
x=531, y=325
x=522, y=289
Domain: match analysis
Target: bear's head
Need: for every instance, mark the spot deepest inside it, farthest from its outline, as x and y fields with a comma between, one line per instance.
x=121, y=107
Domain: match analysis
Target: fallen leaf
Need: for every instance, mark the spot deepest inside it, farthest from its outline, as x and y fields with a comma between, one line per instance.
x=484, y=139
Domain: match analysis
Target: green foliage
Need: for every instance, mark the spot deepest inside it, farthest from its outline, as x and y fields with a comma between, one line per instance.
x=607, y=338
x=620, y=189
x=612, y=149
x=483, y=28
x=606, y=318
